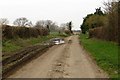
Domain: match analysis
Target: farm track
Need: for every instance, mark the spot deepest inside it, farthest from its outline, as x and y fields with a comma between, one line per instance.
x=68, y=60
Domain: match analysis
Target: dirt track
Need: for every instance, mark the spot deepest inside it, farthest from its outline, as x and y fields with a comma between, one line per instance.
x=61, y=61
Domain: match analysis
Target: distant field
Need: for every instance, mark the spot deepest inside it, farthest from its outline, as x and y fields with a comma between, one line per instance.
x=105, y=53
x=12, y=45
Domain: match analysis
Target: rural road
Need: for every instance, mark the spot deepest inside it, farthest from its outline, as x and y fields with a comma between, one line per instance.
x=68, y=60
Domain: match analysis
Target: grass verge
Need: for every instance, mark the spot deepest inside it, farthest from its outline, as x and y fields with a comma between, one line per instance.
x=104, y=52
x=13, y=45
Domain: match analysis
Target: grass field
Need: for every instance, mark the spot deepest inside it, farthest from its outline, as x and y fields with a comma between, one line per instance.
x=13, y=45
x=105, y=53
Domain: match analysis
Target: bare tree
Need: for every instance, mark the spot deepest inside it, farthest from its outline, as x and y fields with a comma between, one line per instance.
x=48, y=22
x=43, y=23
x=111, y=9
x=3, y=21
x=22, y=22
x=30, y=24
x=50, y=25
x=40, y=24
x=54, y=27
x=63, y=25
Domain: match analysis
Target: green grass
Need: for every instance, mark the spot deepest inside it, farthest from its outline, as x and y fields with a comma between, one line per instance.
x=104, y=52
x=13, y=45
x=9, y=47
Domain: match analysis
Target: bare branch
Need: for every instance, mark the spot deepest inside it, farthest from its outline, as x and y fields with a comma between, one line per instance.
x=3, y=21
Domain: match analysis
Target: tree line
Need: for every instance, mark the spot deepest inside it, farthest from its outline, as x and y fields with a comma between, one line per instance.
x=24, y=28
x=103, y=24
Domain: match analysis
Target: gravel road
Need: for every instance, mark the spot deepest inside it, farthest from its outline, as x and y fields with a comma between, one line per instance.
x=68, y=60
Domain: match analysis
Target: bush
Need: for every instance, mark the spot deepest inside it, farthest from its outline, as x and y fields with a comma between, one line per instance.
x=10, y=32
x=110, y=29
x=7, y=32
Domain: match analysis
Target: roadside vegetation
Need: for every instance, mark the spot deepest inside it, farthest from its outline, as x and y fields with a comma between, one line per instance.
x=100, y=36
x=12, y=45
x=16, y=51
x=23, y=40
x=105, y=53
x=23, y=33
x=103, y=24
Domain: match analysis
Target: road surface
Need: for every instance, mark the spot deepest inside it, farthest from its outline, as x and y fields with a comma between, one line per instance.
x=68, y=60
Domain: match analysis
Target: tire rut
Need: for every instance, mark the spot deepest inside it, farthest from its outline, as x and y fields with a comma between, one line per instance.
x=58, y=70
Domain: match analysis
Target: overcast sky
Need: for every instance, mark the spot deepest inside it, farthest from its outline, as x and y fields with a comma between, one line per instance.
x=60, y=11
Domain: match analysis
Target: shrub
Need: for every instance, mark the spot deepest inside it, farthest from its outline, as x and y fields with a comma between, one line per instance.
x=9, y=32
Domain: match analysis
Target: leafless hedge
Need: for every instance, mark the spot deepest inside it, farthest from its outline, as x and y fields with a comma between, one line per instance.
x=104, y=33
x=9, y=32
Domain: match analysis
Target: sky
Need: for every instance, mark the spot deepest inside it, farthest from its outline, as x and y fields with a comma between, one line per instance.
x=59, y=11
